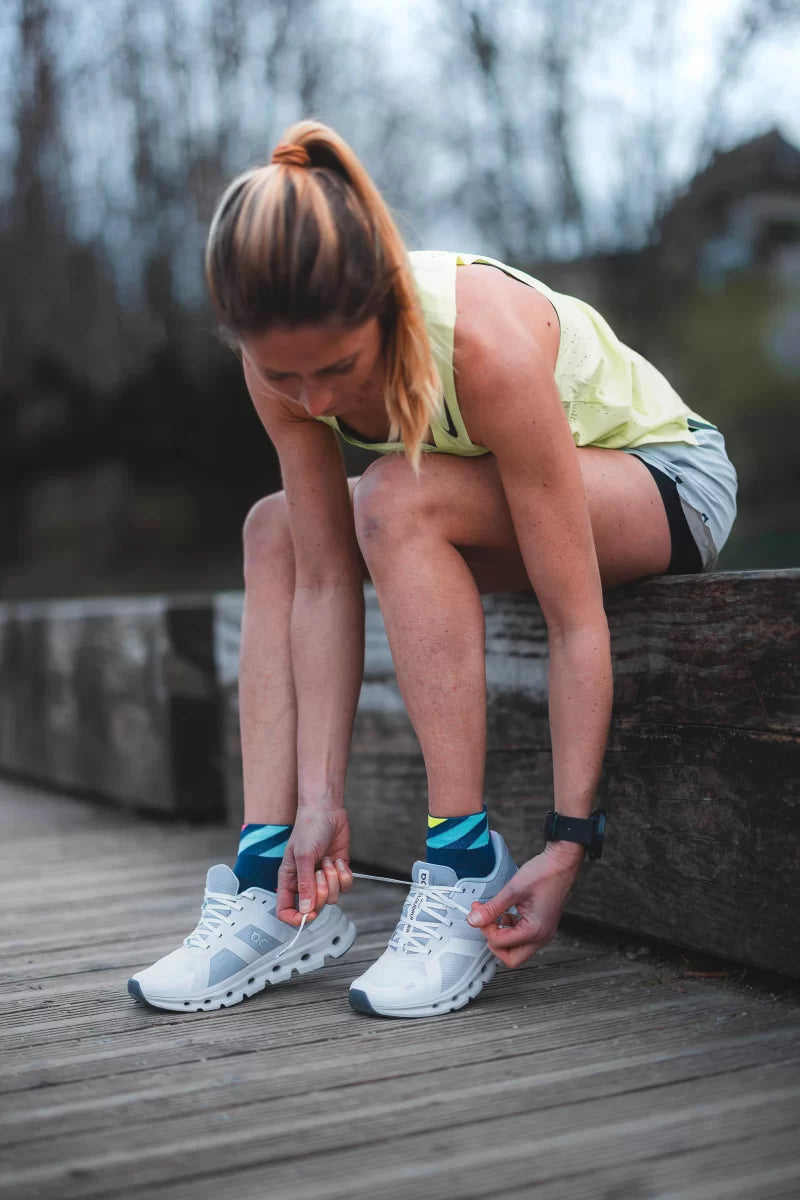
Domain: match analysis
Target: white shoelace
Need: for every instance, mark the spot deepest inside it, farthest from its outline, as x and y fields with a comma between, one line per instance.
x=216, y=911
x=411, y=935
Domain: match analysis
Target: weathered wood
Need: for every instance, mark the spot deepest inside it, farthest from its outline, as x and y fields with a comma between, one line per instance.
x=701, y=777
x=584, y=1074
x=114, y=697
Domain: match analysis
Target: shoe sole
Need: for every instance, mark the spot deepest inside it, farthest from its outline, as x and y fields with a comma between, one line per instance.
x=256, y=976
x=467, y=990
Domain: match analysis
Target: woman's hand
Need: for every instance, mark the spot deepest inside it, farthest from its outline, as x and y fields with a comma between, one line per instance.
x=538, y=891
x=315, y=863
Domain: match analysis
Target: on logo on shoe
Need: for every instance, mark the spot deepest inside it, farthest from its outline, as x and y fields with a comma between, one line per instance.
x=261, y=941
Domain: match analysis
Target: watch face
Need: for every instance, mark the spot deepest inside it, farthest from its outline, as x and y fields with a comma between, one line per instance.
x=549, y=825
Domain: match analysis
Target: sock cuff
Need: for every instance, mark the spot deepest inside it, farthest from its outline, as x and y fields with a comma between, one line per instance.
x=264, y=841
x=461, y=843
x=459, y=833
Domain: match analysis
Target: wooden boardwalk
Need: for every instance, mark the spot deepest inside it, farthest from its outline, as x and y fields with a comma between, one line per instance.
x=587, y=1074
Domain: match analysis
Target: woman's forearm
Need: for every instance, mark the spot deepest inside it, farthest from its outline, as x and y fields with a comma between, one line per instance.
x=581, y=699
x=327, y=644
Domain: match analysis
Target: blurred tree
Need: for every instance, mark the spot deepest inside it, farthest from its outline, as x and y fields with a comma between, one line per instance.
x=482, y=123
x=36, y=233
x=519, y=72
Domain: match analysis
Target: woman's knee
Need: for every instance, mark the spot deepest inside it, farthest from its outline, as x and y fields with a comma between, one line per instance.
x=388, y=502
x=266, y=536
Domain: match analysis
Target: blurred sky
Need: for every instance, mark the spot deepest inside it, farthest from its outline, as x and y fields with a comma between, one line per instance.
x=655, y=73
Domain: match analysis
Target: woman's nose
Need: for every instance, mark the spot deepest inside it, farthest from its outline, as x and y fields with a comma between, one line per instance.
x=316, y=400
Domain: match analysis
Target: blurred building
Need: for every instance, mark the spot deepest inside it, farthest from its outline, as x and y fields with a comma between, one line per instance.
x=742, y=212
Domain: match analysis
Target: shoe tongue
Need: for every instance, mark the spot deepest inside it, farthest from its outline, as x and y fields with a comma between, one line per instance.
x=433, y=873
x=222, y=879
x=427, y=874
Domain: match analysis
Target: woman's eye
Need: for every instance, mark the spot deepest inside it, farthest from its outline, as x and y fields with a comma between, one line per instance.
x=340, y=370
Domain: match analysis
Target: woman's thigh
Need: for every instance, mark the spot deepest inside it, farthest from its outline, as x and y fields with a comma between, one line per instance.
x=465, y=499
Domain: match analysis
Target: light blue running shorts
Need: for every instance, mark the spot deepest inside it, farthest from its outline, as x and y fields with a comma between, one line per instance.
x=706, y=482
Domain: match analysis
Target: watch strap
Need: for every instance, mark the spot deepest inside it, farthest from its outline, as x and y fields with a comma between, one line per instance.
x=587, y=831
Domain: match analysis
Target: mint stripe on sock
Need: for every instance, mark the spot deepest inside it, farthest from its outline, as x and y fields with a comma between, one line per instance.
x=463, y=844
x=459, y=830
x=261, y=850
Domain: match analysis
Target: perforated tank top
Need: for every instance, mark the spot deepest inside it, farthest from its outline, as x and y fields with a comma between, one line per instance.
x=612, y=396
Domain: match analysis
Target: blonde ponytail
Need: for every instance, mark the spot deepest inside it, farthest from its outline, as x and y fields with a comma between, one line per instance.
x=308, y=239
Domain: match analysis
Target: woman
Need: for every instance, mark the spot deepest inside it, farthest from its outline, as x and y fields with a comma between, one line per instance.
x=563, y=461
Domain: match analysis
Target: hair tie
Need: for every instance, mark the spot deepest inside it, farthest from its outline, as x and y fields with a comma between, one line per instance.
x=289, y=154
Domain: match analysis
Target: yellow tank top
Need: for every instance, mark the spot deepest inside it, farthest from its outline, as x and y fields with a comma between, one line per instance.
x=612, y=396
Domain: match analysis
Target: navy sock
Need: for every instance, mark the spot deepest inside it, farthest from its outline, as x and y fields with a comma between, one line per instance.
x=462, y=843
x=261, y=850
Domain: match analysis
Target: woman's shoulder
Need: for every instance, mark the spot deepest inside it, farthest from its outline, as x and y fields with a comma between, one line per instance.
x=498, y=314
x=503, y=330
x=466, y=287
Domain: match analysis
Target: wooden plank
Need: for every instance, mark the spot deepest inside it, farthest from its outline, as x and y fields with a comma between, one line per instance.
x=582, y=1056
x=115, y=697
x=493, y=1133
x=701, y=777
x=36, y=1026
x=763, y=1168
x=164, y=1044
x=669, y=1053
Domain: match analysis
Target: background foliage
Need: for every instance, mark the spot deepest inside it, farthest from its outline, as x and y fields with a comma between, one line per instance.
x=562, y=138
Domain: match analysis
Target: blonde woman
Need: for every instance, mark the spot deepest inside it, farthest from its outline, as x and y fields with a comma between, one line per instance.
x=522, y=446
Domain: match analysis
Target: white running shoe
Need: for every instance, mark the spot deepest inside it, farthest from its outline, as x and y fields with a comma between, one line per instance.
x=235, y=950
x=436, y=961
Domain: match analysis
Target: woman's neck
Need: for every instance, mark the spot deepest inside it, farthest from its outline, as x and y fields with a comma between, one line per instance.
x=367, y=414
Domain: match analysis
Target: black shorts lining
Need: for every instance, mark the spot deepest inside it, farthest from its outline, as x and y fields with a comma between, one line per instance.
x=685, y=558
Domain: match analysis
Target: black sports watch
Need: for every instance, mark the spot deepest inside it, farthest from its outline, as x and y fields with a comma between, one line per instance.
x=589, y=831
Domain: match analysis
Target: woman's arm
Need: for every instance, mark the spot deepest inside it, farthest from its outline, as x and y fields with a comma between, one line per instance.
x=326, y=636
x=511, y=405
x=327, y=647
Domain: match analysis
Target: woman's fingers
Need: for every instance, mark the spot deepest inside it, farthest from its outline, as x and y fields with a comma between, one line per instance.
x=486, y=913
x=331, y=881
x=511, y=939
x=304, y=887
x=287, y=890
x=516, y=955
x=322, y=889
x=296, y=878
x=345, y=875
x=506, y=937
x=306, y=883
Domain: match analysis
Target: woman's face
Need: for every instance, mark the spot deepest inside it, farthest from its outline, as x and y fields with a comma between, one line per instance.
x=320, y=369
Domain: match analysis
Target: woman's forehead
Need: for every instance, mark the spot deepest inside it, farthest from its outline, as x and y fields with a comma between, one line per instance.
x=330, y=342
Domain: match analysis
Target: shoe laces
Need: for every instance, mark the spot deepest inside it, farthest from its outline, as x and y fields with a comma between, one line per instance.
x=427, y=906
x=411, y=935
x=215, y=912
